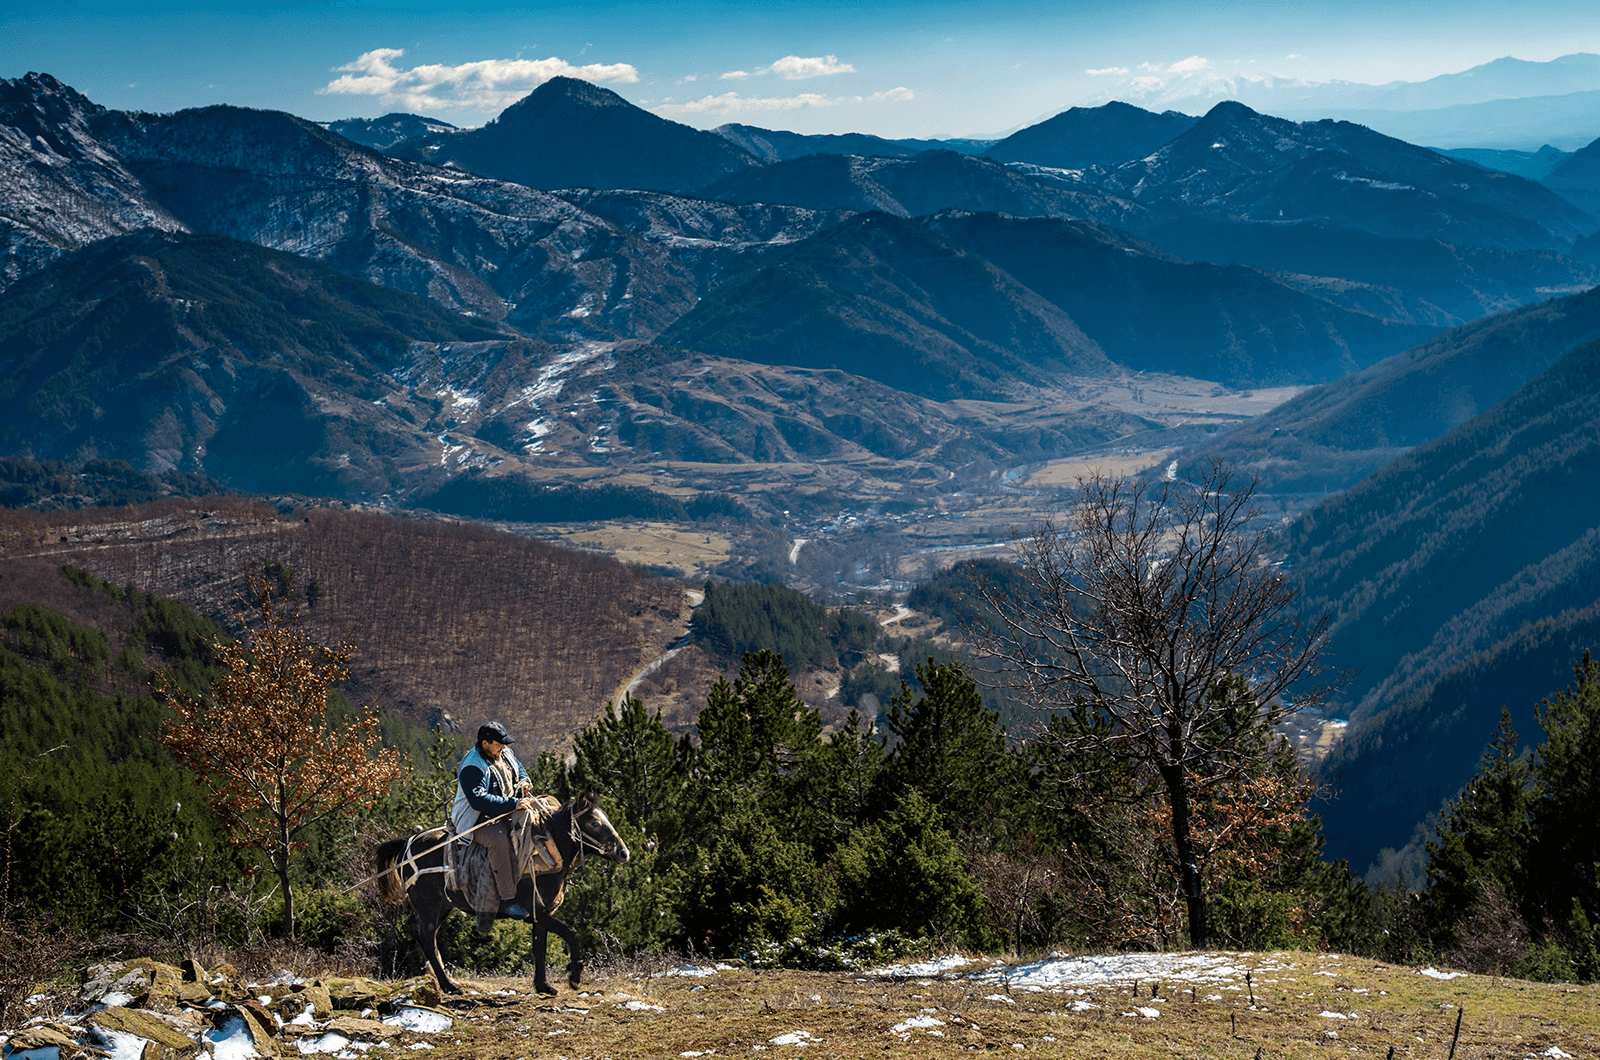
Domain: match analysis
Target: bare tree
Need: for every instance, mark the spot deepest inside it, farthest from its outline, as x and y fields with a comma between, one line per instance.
x=1158, y=630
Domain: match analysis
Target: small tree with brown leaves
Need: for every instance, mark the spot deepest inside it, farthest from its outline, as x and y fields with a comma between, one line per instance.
x=262, y=741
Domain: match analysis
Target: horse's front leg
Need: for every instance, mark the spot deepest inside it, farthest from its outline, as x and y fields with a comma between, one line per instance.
x=570, y=937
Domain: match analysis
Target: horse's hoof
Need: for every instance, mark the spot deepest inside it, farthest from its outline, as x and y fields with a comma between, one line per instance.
x=575, y=979
x=546, y=989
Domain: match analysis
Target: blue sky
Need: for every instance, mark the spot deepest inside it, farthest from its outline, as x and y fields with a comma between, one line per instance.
x=892, y=68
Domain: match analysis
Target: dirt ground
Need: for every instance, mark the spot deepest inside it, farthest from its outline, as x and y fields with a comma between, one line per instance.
x=1305, y=1005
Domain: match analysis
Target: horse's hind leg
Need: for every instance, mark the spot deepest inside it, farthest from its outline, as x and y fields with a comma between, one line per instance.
x=429, y=918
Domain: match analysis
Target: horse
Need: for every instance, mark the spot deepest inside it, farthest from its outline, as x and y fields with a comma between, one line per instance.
x=577, y=829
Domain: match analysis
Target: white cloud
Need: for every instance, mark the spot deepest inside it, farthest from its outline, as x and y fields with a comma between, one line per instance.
x=1118, y=71
x=730, y=103
x=1294, y=55
x=1191, y=65
x=488, y=84
x=796, y=68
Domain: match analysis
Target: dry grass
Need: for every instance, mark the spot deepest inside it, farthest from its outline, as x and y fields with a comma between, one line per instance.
x=741, y=1012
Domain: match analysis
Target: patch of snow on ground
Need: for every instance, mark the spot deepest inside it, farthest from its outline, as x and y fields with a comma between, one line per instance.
x=1555, y=1053
x=421, y=1020
x=936, y=966
x=119, y=1045
x=999, y=997
x=331, y=1042
x=692, y=970
x=915, y=1023
x=800, y=1038
x=1333, y=1015
x=641, y=1006
x=1434, y=973
x=1126, y=967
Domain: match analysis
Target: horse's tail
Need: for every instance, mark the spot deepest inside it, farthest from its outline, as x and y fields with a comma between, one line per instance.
x=389, y=887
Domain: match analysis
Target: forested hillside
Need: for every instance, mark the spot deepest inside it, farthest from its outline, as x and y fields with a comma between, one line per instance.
x=449, y=619
x=1462, y=577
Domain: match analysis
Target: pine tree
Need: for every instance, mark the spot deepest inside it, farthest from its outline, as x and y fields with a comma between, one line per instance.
x=629, y=756
x=951, y=748
x=756, y=736
x=1483, y=834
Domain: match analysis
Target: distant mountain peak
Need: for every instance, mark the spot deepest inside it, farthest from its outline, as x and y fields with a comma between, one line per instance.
x=560, y=90
x=569, y=133
x=1084, y=136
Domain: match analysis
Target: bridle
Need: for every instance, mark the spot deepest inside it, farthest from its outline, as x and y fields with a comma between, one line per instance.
x=584, y=841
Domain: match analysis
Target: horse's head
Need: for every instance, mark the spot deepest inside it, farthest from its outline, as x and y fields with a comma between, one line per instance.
x=599, y=835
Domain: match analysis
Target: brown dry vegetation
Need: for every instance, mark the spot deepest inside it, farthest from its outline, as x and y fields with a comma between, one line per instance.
x=453, y=621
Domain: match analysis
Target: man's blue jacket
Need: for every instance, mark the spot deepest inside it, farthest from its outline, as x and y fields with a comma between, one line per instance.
x=478, y=791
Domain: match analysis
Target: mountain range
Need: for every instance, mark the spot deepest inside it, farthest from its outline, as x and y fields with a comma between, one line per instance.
x=587, y=295
x=198, y=351
x=1244, y=249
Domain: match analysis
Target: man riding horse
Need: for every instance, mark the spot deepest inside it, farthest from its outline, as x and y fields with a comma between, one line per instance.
x=491, y=783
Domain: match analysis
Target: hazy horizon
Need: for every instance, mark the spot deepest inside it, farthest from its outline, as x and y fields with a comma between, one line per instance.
x=898, y=70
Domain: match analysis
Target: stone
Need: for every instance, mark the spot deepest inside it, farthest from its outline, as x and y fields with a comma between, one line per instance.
x=161, y=995
x=314, y=992
x=194, y=993
x=174, y=1044
x=357, y=994
x=115, y=983
x=194, y=971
